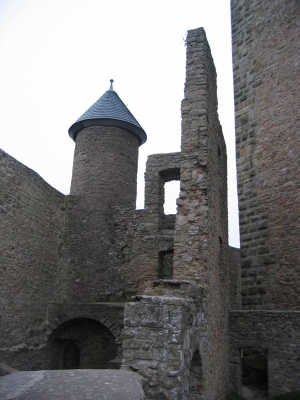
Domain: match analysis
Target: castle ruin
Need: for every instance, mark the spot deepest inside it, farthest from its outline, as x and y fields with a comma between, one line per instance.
x=89, y=282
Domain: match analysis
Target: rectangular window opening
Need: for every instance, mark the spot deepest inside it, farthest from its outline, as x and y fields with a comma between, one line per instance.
x=172, y=189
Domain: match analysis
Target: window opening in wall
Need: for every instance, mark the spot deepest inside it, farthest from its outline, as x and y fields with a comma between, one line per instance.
x=71, y=356
x=196, y=378
x=165, y=269
x=254, y=362
x=172, y=189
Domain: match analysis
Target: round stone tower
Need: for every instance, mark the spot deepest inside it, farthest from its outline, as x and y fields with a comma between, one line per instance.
x=107, y=140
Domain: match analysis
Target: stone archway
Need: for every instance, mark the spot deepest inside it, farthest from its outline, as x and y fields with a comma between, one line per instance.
x=82, y=343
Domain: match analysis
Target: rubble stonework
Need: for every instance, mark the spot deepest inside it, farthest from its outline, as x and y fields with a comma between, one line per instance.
x=88, y=281
x=201, y=236
x=160, y=336
x=32, y=217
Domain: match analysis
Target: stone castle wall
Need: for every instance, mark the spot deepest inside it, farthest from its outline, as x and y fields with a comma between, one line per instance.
x=112, y=253
x=92, y=267
x=74, y=250
x=32, y=218
x=69, y=263
x=161, y=335
x=105, y=166
x=265, y=36
x=235, y=295
x=171, y=334
x=278, y=333
x=201, y=236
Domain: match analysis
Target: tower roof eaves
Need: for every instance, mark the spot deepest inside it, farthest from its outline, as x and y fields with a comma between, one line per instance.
x=109, y=110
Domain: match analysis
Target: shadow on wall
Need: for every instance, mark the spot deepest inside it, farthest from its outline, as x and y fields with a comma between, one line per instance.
x=82, y=343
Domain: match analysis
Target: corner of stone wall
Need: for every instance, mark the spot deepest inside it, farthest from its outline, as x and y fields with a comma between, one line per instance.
x=160, y=336
x=201, y=232
x=235, y=289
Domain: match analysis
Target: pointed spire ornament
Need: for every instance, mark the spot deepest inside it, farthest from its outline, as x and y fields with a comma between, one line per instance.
x=111, y=84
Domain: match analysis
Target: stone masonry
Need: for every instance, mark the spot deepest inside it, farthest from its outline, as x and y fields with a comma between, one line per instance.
x=32, y=217
x=89, y=282
x=165, y=334
x=265, y=38
x=276, y=331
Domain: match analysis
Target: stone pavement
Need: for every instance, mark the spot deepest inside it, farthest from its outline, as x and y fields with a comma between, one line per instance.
x=72, y=385
x=253, y=393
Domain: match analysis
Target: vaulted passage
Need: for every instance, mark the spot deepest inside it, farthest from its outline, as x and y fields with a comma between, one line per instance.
x=82, y=343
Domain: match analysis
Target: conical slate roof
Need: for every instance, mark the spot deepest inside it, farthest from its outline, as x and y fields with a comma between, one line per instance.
x=109, y=110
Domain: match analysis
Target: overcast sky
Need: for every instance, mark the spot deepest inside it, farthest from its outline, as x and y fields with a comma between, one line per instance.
x=56, y=60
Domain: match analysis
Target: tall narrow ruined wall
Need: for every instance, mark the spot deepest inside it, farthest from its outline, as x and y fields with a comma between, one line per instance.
x=265, y=36
x=32, y=218
x=201, y=236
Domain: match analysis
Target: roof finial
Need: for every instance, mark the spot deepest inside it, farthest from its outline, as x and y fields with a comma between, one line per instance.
x=111, y=85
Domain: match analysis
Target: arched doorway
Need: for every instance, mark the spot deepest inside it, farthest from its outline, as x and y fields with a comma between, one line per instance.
x=71, y=356
x=82, y=343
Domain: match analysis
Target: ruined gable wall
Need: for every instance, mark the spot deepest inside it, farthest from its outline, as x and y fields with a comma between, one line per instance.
x=201, y=237
x=32, y=218
x=265, y=37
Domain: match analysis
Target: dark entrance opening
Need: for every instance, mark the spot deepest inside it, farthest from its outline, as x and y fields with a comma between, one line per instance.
x=196, y=378
x=82, y=343
x=71, y=356
x=165, y=268
x=254, y=372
